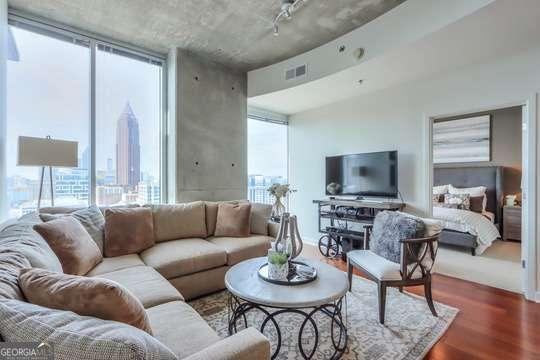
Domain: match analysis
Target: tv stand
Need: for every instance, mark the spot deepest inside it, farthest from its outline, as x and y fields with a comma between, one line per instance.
x=338, y=214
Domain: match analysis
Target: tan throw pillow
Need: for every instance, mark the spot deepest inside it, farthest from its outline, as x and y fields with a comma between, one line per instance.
x=128, y=231
x=87, y=296
x=179, y=221
x=260, y=216
x=233, y=220
x=72, y=244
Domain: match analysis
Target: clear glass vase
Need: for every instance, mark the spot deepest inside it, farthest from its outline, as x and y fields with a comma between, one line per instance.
x=278, y=209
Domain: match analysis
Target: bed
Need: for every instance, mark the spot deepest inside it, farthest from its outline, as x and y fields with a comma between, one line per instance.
x=465, y=228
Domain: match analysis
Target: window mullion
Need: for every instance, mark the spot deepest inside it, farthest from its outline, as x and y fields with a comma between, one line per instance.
x=92, y=170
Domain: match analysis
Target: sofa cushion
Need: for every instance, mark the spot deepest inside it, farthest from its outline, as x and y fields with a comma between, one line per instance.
x=77, y=252
x=73, y=336
x=233, y=220
x=90, y=218
x=128, y=231
x=260, y=216
x=211, y=208
x=101, y=298
x=22, y=238
x=179, y=221
x=185, y=256
x=116, y=263
x=186, y=334
x=146, y=284
x=239, y=249
x=11, y=263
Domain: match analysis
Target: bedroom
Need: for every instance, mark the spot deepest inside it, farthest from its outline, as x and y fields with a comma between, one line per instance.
x=477, y=166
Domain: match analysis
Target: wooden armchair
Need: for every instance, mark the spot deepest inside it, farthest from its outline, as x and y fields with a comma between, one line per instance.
x=417, y=259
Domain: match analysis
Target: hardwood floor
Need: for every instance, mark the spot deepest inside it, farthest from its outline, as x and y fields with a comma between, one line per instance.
x=491, y=323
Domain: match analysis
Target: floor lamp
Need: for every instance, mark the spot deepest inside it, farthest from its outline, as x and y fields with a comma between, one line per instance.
x=46, y=152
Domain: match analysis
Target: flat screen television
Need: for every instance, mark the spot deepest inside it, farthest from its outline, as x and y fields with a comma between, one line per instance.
x=368, y=174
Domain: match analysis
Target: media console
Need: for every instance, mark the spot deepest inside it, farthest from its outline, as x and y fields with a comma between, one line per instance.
x=337, y=218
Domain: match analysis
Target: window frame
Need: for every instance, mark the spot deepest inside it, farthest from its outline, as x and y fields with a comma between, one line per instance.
x=92, y=41
x=272, y=118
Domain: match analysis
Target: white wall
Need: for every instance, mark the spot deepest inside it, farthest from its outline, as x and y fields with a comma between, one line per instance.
x=3, y=51
x=399, y=27
x=395, y=119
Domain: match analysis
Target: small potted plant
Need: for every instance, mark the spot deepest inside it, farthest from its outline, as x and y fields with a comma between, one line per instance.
x=278, y=265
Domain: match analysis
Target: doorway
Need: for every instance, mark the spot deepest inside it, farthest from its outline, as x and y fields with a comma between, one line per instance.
x=506, y=250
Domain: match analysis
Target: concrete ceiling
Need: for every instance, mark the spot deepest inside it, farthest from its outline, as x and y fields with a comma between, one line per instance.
x=498, y=30
x=236, y=33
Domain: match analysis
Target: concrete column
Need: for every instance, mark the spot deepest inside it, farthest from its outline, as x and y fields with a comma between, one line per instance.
x=211, y=130
x=3, y=104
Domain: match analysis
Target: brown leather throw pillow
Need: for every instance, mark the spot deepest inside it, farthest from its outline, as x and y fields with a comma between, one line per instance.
x=87, y=296
x=128, y=231
x=476, y=204
x=71, y=243
x=233, y=220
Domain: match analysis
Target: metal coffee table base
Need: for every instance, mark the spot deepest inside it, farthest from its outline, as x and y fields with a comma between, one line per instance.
x=238, y=309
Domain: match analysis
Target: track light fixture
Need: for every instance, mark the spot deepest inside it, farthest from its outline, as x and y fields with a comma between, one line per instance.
x=286, y=11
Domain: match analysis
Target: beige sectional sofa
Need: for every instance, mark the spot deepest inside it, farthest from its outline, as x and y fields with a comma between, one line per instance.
x=163, y=277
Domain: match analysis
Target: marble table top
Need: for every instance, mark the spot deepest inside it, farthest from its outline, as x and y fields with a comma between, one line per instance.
x=243, y=281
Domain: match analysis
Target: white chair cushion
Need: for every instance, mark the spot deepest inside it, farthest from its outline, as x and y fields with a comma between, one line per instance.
x=378, y=266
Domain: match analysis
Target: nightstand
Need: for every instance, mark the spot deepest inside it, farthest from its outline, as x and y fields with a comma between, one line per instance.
x=512, y=223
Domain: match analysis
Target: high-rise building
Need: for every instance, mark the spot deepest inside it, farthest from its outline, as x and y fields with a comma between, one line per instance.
x=109, y=195
x=84, y=162
x=71, y=183
x=128, y=150
x=148, y=193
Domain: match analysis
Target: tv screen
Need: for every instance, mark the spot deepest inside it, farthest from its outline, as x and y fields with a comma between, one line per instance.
x=369, y=174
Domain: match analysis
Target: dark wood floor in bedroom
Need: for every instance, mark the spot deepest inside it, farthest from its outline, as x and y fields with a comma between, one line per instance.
x=491, y=324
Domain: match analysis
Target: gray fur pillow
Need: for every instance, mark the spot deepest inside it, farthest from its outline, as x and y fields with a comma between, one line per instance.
x=389, y=227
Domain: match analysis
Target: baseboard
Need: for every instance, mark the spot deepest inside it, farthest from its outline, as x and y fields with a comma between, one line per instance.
x=309, y=241
x=536, y=297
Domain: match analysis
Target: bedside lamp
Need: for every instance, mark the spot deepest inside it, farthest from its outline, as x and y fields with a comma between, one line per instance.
x=46, y=152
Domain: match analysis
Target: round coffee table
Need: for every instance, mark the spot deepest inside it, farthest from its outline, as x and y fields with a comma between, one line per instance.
x=323, y=295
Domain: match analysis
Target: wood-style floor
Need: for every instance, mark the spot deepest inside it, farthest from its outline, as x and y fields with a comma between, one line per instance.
x=491, y=323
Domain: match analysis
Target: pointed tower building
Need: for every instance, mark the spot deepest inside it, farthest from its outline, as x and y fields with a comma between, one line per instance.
x=128, y=150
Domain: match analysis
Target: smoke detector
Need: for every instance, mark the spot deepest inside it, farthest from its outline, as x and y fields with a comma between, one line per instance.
x=288, y=7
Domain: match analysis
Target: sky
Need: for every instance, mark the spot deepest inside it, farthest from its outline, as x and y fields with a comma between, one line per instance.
x=267, y=148
x=49, y=94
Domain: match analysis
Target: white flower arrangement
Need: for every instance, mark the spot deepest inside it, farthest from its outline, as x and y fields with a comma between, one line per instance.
x=280, y=190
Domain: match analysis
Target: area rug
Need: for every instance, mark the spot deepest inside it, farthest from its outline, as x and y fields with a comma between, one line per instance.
x=409, y=331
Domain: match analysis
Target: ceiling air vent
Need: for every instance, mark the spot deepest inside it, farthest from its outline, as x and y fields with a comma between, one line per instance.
x=296, y=72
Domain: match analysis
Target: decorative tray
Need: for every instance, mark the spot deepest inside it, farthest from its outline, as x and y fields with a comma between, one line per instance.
x=299, y=273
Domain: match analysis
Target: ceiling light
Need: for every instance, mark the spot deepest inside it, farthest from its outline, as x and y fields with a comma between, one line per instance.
x=286, y=10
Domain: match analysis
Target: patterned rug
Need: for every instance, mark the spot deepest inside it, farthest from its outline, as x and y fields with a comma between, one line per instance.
x=409, y=331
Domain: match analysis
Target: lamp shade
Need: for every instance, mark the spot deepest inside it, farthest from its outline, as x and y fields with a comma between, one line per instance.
x=47, y=152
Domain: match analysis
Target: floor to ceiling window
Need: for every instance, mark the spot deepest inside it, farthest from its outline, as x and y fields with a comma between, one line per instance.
x=47, y=96
x=50, y=91
x=267, y=158
x=128, y=113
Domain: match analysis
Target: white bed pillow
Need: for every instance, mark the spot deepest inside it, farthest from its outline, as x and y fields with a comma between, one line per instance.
x=440, y=190
x=472, y=191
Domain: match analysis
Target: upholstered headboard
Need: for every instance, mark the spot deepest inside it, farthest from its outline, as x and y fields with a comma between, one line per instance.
x=489, y=176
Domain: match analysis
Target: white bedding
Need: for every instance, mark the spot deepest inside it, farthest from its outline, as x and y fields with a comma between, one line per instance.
x=469, y=222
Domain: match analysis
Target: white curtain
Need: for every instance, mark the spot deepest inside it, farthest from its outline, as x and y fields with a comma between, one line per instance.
x=3, y=104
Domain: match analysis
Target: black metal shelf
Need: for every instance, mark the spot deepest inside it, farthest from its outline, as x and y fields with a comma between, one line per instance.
x=337, y=241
